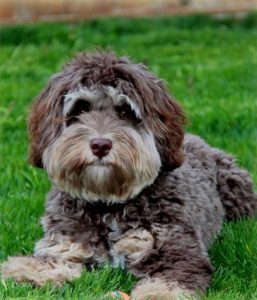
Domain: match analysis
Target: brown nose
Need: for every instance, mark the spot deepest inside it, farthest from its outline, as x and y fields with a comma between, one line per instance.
x=101, y=147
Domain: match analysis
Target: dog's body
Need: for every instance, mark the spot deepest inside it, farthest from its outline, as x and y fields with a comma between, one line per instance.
x=149, y=211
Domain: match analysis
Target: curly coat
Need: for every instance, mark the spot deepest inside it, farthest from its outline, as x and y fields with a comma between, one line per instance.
x=163, y=233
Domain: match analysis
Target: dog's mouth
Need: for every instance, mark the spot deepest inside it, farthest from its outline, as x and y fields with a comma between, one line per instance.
x=107, y=170
x=102, y=163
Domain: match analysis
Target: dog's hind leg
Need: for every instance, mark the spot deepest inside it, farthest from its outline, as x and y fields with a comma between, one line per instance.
x=235, y=187
x=57, y=259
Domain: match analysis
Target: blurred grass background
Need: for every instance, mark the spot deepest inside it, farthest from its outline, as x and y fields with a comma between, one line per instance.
x=210, y=66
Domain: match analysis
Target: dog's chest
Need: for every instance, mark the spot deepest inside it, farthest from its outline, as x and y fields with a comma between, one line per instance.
x=127, y=234
x=124, y=231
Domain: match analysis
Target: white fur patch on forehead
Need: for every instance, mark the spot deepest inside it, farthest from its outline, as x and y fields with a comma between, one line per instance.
x=89, y=94
x=120, y=99
x=95, y=93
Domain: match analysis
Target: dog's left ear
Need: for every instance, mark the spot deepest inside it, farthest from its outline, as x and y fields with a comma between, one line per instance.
x=166, y=120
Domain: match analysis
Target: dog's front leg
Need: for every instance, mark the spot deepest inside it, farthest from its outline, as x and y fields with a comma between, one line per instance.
x=57, y=258
x=176, y=265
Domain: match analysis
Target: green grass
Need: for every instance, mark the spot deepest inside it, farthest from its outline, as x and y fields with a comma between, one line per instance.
x=211, y=68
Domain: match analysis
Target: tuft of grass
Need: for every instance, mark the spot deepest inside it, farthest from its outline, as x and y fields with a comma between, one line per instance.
x=210, y=66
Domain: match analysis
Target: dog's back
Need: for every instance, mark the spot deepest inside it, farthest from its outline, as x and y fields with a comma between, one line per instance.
x=234, y=184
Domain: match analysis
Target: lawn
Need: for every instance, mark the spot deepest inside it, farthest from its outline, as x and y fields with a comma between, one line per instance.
x=211, y=68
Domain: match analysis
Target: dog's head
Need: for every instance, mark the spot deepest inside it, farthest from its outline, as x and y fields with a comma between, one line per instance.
x=103, y=127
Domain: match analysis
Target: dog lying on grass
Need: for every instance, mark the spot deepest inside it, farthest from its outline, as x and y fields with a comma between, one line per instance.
x=129, y=188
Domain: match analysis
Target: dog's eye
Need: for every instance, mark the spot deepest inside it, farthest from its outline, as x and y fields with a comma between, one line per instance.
x=125, y=112
x=80, y=107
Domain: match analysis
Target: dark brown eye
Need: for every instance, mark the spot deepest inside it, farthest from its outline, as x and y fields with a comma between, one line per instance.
x=125, y=112
x=80, y=107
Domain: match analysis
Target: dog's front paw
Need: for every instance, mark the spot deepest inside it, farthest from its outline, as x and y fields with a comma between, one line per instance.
x=39, y=271
x=134, y=245
x=156, y=289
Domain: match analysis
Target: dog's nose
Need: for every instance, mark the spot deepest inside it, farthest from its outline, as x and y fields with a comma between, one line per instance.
x=101, y=147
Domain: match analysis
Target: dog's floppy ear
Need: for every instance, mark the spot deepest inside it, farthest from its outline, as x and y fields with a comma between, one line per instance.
x=45, y=119
x=166, y=120
x=164, y=115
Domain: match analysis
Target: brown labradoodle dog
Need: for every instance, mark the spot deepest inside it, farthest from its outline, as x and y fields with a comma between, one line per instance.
x=128, y=187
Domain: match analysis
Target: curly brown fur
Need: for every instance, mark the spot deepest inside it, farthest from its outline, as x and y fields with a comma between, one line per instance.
x=137, y=204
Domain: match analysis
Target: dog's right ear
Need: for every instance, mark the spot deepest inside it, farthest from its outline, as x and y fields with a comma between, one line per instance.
x=45, y=123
